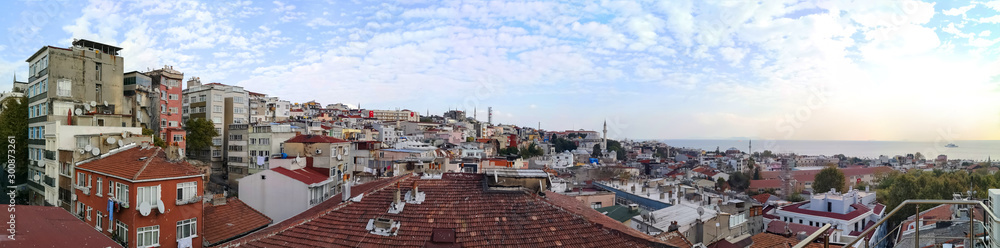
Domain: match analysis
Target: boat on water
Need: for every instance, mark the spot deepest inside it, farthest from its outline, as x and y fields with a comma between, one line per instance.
x=952, y=145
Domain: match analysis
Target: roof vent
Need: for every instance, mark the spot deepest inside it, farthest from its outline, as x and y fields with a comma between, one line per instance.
x=382, y=226
x=143, y=158
x=414, y=196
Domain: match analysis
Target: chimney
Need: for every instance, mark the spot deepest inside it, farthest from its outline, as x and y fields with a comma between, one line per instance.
x=395, y=196
x=662, y=196
x=801, y=235
x=415, y=190
x=346, y=195
x=219, y=200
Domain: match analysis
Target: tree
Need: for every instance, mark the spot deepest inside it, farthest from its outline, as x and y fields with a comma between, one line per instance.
x=721, y=184
x=157, y=141
x=795, y=197
x=829, y=178
x=597, y=151
x=917, y=156
x=562, y=144
x=199, y=133
x=531, y=150
x=739, y=181
x=767, y=154
x=14, y=120
x=756, y=173
x=716, y=150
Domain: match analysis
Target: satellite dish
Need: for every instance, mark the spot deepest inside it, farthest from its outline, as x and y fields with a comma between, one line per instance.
x=96, y=151
x=121, y=143
x=338, y=157
x=82, y=151
x=88, y=148
x=701, y=211
x=111, y=140
x=105, y=103
x=145, y=208
x=159, y=205
x=74, y=197
x=86, y=107
x=93, y=103
x=78, y=111
x=318, y=151
x=37, y=177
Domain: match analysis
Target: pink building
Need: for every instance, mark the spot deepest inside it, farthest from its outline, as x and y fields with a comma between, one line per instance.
x=167, y=83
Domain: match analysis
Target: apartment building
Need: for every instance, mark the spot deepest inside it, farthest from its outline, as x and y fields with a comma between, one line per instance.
x=268, y=109
x=392, y=115
x=265, y=141
x=81, y=85
x=152, y=198
x=237, y=153
x=166, y=84
x=221, y=104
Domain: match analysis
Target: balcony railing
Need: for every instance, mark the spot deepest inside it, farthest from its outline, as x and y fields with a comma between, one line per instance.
x=50, y=155
x=51, y=182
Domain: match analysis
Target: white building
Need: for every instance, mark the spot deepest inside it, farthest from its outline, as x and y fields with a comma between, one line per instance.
x=850, y=213
x=290, y=187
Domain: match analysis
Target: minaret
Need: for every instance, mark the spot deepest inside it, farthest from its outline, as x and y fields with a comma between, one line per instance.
x=604, y=141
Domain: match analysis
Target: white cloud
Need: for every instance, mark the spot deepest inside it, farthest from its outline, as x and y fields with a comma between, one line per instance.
x=958, y=11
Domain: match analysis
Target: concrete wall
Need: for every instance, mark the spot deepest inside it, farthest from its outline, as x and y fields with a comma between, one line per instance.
x=277, y=196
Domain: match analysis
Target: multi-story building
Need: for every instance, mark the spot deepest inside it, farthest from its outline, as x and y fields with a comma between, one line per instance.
x=142, y=196
x=850, y=214
x=237, y=153
x=166, y=83
x=221, y=104
x=266, y=140
x=139, y=100
x=268, y=109
x=392, y=115
x=65, y=145
x=82, y=85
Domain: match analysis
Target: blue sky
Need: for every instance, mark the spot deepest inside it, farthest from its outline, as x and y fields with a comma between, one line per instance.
x=844, y=70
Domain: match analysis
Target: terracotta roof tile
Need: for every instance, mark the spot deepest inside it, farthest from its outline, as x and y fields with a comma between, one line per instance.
x=674, y=238
x=307, y=175
x=136, y=163
x=39, y=226
x=457, y=201
x=229, y=221
x=762, y=198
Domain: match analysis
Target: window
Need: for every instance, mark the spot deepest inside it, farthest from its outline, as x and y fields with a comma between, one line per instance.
x=173, y=110
x=79, y=179
x=187, y=190
x=253, y=153
x=100, y=187
x=235, y=137
x=178, y=138
x=89, y=210
x=217, y=97
x=216, y=141
x=217, y=108
x=148, y=195
x=216, y=153
x=238, y=99
x=239, y=110
x=147, y=236
x=64, y=169
x=173, y=82
x=79, y=209
x=195, y=99
x=98, y=71
x=187, y=228
x=595, y=205
x=173, y=97
x=173, y=123
x=121, y=193
x=217, y=120
x=265, y=141
x=122, y=230
x=63, y=87
x=201, y=98
x=100, y=218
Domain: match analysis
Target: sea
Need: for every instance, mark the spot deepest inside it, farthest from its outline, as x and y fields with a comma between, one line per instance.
x=977, y=150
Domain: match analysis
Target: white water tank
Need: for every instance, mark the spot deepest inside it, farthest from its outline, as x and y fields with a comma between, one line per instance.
x=995, y=206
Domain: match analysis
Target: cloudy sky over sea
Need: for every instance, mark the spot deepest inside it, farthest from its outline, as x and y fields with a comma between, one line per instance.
x=808, y=70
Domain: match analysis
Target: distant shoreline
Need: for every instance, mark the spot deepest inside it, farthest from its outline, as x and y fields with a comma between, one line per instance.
x=977, y=150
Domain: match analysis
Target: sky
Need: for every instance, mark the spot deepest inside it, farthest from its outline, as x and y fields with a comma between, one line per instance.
x=799, y=70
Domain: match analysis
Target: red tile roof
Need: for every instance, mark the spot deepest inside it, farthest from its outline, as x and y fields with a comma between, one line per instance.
x=308, y=175
x=762, y=198
x=797, y=208
x=136, y=163
x=459, y=202
x=878, y=209
x=38, y=226
x=768, y=240
x=309, y=138
x=232, y=220
x=782, y=228
x=674, y=238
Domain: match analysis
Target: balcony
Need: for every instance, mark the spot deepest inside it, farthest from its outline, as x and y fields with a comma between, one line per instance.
x=85, y=190
x=36, y=185
x=51, y=182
